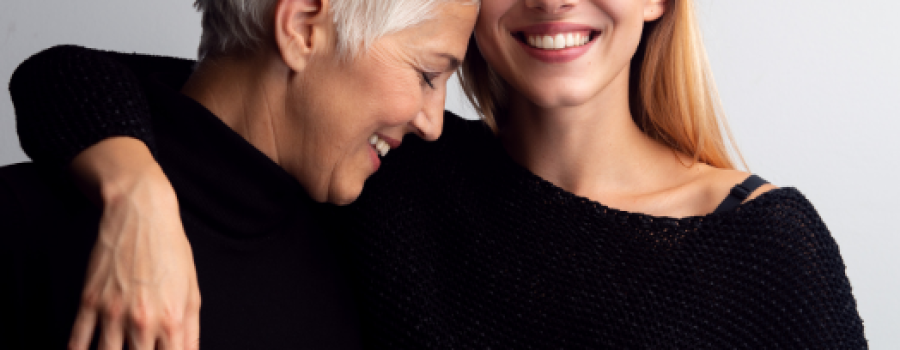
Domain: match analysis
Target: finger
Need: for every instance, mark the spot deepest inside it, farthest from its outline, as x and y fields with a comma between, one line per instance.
x=171, y=333
x=173, y=340
x=142, y=329
x=140, y=340
x=192, y=330
x=83, y=329
x=112, y=334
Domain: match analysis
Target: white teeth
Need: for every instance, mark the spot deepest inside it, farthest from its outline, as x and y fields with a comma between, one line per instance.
x=557, y=42
x=380, y=145
x=547, y=42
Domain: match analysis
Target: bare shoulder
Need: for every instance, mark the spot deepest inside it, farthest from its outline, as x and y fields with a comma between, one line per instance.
x=717, y=184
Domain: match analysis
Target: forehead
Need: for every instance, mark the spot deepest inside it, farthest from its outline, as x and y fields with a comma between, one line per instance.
x=448, y=29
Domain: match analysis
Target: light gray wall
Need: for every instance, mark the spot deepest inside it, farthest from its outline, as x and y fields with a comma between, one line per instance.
x=812, y=90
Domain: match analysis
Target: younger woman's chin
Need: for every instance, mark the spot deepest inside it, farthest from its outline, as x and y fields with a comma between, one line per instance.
x=549, y=98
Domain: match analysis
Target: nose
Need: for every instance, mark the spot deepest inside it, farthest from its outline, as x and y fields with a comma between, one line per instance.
x=429, y=122
x=551, y=6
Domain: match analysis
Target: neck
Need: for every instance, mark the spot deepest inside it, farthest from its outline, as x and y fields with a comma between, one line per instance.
x=594, y=150
x=244, y=93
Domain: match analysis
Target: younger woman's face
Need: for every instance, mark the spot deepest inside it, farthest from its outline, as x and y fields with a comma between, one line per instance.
x=563, y=53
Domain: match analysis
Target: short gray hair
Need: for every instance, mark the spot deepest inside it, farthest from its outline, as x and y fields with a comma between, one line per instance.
x=231, y=26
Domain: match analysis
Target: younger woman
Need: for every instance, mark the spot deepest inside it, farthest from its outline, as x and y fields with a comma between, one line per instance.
x=601, y=209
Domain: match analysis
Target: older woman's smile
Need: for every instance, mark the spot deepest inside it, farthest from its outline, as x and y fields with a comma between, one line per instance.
x=382, y=143
x=380, y=146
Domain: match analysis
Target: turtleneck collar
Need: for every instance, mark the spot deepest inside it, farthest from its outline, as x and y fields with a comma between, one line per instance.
x=217, y=174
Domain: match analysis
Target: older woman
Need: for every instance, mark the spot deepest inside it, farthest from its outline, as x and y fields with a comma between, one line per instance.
x=292, y=103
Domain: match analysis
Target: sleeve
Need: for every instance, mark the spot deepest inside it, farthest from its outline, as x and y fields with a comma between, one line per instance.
x=8, y=298
x=814, y=283
x=68, y=98
x=11, y=260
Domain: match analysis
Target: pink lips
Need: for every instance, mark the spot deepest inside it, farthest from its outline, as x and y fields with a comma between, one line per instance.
x=391, y=142
x=553, y=28
x=554, y=56
x=373, y=155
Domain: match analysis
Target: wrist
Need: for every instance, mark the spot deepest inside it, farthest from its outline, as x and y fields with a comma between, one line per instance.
x=121, y=168
x=147, y=185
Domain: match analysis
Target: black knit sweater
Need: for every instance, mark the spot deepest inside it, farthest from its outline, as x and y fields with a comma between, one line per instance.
x=454, y=245
x=266, y=268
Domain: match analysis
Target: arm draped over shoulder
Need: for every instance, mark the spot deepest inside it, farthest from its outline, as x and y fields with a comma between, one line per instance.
x=68, y=98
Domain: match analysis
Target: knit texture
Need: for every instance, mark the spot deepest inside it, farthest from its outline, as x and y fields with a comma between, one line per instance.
x=458, y=247
x=266, y=269
x=455, y=246
x=95, y=96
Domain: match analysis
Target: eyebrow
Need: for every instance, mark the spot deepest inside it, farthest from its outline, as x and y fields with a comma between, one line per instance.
x=452, y=61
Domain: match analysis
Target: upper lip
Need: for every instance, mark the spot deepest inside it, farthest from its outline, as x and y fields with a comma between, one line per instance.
x=394, y=143
x=552, y=28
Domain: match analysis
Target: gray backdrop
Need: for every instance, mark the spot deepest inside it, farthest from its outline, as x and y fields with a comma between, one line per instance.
x=811, y=88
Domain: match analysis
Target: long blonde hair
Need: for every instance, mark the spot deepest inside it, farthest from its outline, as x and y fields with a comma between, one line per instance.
x=672, y=95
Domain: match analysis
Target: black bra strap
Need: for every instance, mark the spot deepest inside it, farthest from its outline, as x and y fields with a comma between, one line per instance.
x=739, y=193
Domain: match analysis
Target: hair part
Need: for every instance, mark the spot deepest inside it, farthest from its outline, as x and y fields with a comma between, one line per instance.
x=672, y=95
x=237, y=26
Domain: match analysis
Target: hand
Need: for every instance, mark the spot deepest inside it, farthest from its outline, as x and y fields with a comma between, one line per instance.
x=141, y=284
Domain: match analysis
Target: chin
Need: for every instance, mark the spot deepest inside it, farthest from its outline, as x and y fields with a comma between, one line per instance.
x=556, y=93
x=558, y=98
x=341, y=190
x=345, y=195
x=339, y=197
x=344, y=201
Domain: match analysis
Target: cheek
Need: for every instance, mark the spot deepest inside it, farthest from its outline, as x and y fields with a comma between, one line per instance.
x=396, y=104
x=627, y=17
x=487, y=34
x=617, y=9
x=487, y=45
x=491, y=37
x=492, y=10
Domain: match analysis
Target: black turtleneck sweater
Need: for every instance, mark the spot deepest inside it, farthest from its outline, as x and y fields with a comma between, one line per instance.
x=267, y=272
x=452, y=245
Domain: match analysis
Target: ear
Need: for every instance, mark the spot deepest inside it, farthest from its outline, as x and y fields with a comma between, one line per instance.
x=302, y=27
x=654, y=9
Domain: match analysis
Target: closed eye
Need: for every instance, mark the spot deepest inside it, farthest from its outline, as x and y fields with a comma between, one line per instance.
x=428, y=78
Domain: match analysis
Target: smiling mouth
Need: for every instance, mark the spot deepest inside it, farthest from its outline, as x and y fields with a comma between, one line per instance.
x=556, y=41
x=381, y=146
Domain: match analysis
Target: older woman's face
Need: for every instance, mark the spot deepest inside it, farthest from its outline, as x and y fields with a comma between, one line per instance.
x=396, y=87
